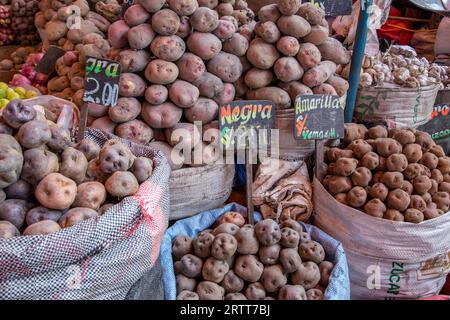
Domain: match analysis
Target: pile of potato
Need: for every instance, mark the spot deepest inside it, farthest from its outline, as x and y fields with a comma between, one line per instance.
x=17, y=59
x=292, y=55
x=238, y=261
x=23, y=12
x=399, y=65
x=48, y=183
x=397, y=174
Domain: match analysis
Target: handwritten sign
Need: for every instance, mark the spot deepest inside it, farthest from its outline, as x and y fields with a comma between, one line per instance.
x=240, y=119
x=439, y=125
x=334, y=8
x=101, y=82
x=48, y=62
x=318, y=117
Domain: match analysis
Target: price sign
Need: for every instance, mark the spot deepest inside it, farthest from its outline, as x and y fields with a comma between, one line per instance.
x=245, y=119
x=439, y=125
x=318, y=117
x=101, y=82
x=101, y=86
x=248, y=123
x=334, y=8
x=48, y=62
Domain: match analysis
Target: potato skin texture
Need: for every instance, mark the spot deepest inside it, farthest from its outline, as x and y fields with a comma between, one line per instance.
x=8, y=230
x=42, y=228
x=56, y=191
x=75, y=216
x=122, y=184
x=90, y=195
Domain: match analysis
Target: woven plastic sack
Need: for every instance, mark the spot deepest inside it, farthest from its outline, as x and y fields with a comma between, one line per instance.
x=338, y=288
x=100, y=258
x=387, y=259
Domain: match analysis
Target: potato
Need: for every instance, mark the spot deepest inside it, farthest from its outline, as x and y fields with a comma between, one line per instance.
x=289, y=46
x=424, y=140
x=202, y=244
x=378, y=191
x=161, y=72
x=183, y=8
x=37, y=164
x=392, y=180
x=156, y=94
x=288, y=7
x=16, y=113
x=133, y=61
x=337, y=184
x=140, y=36
x=292, y=292
x=429, y=160
x=294, y=26
x=232, y=283
x=19, y=190
x=122, y=184
x=308, y=55
x=89, y=148
x=437, y=151
x=73, y=165
x=288, y=69
x=181, y=246
x=248, y=268
x=412, y=171
x=191, y=266
x=232, y=217
x=204, y=110
x=4, y=128
x=214, y=270
x=75, y=216
x=135, y=131
x=405, y=137
x=444, y=187
x=290, y=259
x=14, y=211
x=142, y=168
x=90, y=195
x=204, y=45
x=278, y=96
x=255, y=291
x=168, y=48
x=375, y=208
x=115, y=156
x=185, y=283
x=325, y=88
x=269, y=12
x=132, y=85
x=356, y=197
x=345, y=166
x=117, y=34
x=414, y=216
x=441, y=199
x=225, y=30
x=34, y=134
x=165, y=115
x=273, y=278
x=247, y=242
x=333, y=50
x=44, y=227
x=269, y=254
x=393, y=215
x=307, y=275
x=354, y=131
x=204, y=20
x=191, y=67
x=56, y=191
x=361, y=177
x=225, y=66
x=319, y=74
x=268, y=232
x=8, y=230
x=55, y=29
x=444, y=165
x=268, y=31
x=228, y=228
x=208, y=290
x=165, y=22
x=325, y=268
x=311, y=251
x=183, y=94
x=183, y=135
x=126, y=109
x=377, y=132
x=398, y=199
x=261, y=54
x=317, y=35
x=41, y=213
x=422, y=184
x=257, y=78
x=136, y=15
x=311, y=13
x=413, y=152
x=151, y=6
x=223, y=247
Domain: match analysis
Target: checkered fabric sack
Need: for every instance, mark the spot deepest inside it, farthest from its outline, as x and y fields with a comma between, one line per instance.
x=101, y=258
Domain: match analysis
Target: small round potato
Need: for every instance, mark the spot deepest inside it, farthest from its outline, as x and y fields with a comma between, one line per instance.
x=115, y=156
x=187, y=295
x=232, y=217
x=8, y=230
x=191, y=266
x=95, y=173
x=290, y=259
x=311, y=251
x=37, y=164
x=255, y=291
x=16, y=113
x=268, y=232
x=156, y=94
x=229, y=228
x=122, y=184
x=165, y=22
x=142, y=168
x=135, y=131
x=314, y=294
x=273, y=278
x=34, y=134
x=161, y=72
x=43, y=227
x=90, y=195
x=181, y=246
x=208, y=290
x=126, y=109
x=249, y=268
x=292, y=292
x=413, y=152
x=76, y=215
x=356, y=197
x=202, y=244
x=185, y=283
x=168, y=48
x=393, y=215
x=214, y=270
x=247, y=242
x=73, y=165
x=204, y=20
x=232, y=283
x=56, y=191
x=60, y=138
x=268, y=255
x=191, y=67
x=379, y=191
x=289, y=238
x=307, y=275
x=325, y=268
x=89, y=148
x=224, y=246
x=414, y=216
x=375, y=208
x=41, y=213
x=235, y=296
x=398, y=199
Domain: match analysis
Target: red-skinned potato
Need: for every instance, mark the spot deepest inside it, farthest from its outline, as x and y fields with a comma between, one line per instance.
x=117, y=34
x=398, y=199
x=142, y=168
x=268, y=232
x=202, y=244
x=360, y=147
x=135, y=131
x=422, y=184
x=249, y=268
x=335, y=153
x=56, y=191
x=255, y=291
x=188, y=295
x=204, y=45
x=89, y=148
x=247, y=240
x=292, y=292
x=375, y=208
x=442, y=200
x=396, y=162
x=168, y=48
x=273, y=278
x=214, y=270
x=311, y=251
x=308, y=55
x=341, y=198
x=122, y=184
x=204, y=110
x=268, y=31
x=208, y=290
x=165, y=115
x=337, y=184
x=377, y=132
x=424, y=140
x=34, y=134
x=225, y=30
x=361, y=177
x=345, y=166
x=268, y=255
x=290, y=259
x=95, y=173
x=90, y=195
x=209, y=85
x=269, y=12
x=165, y=22
x=125, y=110
x=204, y=20
x=183, y=7
x=75, y=216
x=261, y=54
x=104, y=124
x=289, y=46
x=314, y=294
x=226, y=66
x=387, y=146
x=307, y=275
x=229, y=228
x=232, y=283
x=414, y=216
x=191, y=266
x=354, y=131
x=8, y=230
x=156, y=94
x=325, y=268
x=405, y=137
x=393, y=215
x=132, y=85
x=412, y=171
x=115, y=156
x=289, y=238
x=294, y=26
x=392, y=180
x=223, y=247
x=185, y=283
x=232, y=217
x=438, y=151
x=181, y=246
x=356, y=197
x=191, y=67
x=413, y=152
x=183, y=94
x=141, y=36
x=42, y=228
x=379, y=191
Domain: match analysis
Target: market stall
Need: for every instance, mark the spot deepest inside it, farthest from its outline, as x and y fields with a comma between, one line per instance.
x=224, y=149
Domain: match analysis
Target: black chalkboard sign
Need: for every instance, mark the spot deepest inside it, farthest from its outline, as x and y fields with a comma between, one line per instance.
x=334, y=8
x=439, y=125
x=48, y=62
x=101, y=82
x=318, y=117
x=244, y=119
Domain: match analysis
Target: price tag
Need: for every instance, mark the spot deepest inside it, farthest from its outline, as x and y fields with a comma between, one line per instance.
x=334, y=8
x=101, y=86
x=101, y=82
x=244, y=119
x=247, y=124
x=318, y=117
x=48, y=62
